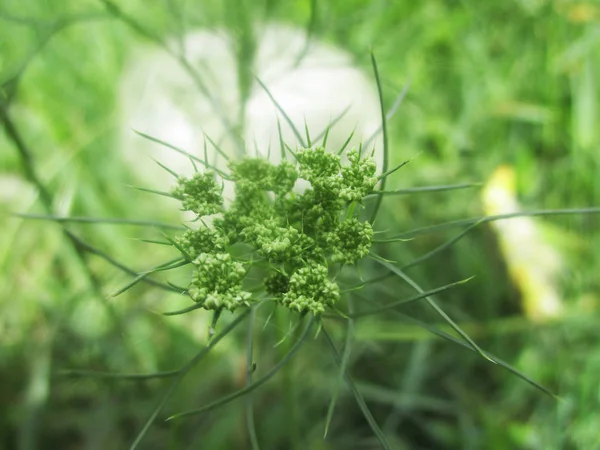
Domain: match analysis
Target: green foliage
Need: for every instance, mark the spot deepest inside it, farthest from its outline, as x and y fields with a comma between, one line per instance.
x=492, y=82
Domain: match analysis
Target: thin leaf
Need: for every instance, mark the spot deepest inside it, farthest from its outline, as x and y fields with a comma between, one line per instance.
x=254, y=385
x=391, y=112
x=282, y=111
x=343, y=365
x=485, y=219
x=169, y=265
x=281, y=145
x=325, y=133
x=437, y=309
x=153, y=191
x=217, y=148
x=184, y=310
x=341, y=150
x=386, y=155
x=120, y=376
x=425, y=189
x=172, y=172
x=404, y=301
x=384, y=175
x=183, y=152
x=98, y=220
x=250, y=425
x=360, y=286
x=109, y=259
x=152, y=241
x=357, y=395
x=182, y=372
x=442, y=247
x=490, y=356
x=308, y=141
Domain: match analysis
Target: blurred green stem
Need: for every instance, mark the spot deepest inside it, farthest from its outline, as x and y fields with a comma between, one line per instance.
x=287, y=380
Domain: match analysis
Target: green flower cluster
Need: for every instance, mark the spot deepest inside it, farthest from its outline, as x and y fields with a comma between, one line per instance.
x=295, y=236
x=217, y=282
x=200, y=194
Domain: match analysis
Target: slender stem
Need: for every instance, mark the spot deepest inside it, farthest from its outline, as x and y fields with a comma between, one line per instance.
x=287, y=380
x=357, y=395
x=183, y=371
x=250, y=425
x=256, y=384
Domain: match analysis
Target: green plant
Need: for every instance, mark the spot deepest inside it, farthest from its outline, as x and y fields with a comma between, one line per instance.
x=297, y=249
x=506, y=90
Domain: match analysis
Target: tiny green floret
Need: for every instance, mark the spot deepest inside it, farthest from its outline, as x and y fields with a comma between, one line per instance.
x=311, y=290
x=203, y=240
x=291, y=237
x=200, y=194
x=359, y=177
x=217, y=282
x=350, y=241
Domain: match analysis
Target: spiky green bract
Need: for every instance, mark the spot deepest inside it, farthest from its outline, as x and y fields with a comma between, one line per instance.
x=292, y=237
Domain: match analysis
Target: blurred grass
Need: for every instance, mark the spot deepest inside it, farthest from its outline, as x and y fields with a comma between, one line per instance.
x=491, y=83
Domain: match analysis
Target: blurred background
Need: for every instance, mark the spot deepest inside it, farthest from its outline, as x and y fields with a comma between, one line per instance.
x=504, y=94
